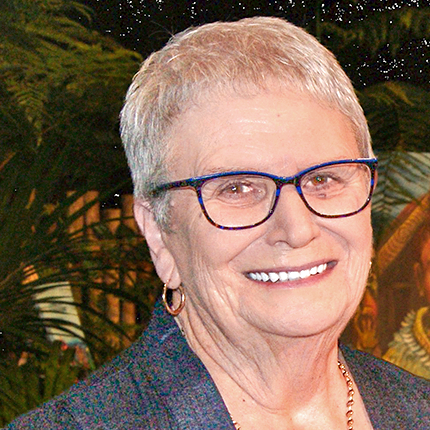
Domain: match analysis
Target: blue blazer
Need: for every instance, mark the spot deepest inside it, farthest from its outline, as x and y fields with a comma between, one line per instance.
x=159, y=383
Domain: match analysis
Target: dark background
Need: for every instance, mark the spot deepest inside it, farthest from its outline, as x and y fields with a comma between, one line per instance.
x=145, y=25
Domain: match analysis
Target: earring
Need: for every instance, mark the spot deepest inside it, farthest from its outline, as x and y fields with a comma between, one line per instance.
x=169, y=309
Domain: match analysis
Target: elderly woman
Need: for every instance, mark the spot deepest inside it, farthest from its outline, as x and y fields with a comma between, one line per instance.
x=253, y=175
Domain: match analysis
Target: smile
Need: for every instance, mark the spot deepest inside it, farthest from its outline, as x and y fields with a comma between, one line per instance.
x=287, y=276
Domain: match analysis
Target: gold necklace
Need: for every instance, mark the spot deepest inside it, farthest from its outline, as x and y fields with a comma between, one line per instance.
x=349, y=403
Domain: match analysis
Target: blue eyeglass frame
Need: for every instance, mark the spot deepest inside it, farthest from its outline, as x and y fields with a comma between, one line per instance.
x=198, y=182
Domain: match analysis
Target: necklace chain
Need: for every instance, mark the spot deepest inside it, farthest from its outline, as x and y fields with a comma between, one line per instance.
x=349, y=403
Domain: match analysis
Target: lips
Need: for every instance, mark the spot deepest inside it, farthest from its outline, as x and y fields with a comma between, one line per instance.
x=293, y=275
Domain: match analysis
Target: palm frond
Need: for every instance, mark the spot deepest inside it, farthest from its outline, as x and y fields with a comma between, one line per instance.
x=385, y=29
x=398, y=115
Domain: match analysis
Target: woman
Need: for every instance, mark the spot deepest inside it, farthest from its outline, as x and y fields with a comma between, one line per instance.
x=253, y=173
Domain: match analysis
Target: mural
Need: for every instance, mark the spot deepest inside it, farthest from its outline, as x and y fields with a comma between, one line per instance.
x=404, y=288
x=393, y=320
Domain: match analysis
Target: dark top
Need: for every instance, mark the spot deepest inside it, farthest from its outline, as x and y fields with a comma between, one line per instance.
x=159, y=383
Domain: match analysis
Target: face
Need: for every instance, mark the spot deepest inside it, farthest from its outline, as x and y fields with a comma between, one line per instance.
x=280, y=134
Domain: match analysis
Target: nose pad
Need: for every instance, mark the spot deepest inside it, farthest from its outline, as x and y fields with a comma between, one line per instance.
x=292, y=222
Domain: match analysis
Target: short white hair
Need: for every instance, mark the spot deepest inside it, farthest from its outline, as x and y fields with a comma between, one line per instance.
x=243, y=58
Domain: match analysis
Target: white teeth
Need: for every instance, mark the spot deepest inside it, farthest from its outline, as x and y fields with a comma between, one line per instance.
x=321, y=268
x=283, y=276
x=305, y=274
x=264, y=277
x=274, y=277
x=287, y=276
x=292, y=276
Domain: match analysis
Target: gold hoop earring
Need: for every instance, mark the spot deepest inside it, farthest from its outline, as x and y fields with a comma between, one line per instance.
x=169, y=309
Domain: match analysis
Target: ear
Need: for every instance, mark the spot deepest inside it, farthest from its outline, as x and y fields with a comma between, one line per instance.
x=162, y=258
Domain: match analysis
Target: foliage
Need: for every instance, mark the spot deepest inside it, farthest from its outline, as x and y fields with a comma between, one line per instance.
x=34, y=381
x=69, y=81
x=399, y=120
x=61, y=88
x=398, y=116
x=390, y=29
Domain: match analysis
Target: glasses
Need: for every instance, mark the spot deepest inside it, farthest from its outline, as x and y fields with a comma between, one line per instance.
x=245, y=199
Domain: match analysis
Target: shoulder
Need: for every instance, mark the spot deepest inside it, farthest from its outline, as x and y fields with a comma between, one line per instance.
x=377, y=373
x=158, y=383
x=121, y=394
x=116, y=396
x=391, y=394
x=48, y=416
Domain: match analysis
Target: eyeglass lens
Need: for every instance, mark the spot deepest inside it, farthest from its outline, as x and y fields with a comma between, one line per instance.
x=243, y=200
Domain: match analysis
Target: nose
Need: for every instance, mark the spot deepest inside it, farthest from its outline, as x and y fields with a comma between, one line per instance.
x=292, y=223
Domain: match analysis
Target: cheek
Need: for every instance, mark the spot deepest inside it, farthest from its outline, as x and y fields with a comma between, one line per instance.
x=358, y=233
x=215, y=252
x=201, y=250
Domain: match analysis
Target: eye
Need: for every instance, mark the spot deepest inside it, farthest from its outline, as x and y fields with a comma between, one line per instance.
x=242, y=190
x=319, y=180
x=237, y=190
x=323, y=184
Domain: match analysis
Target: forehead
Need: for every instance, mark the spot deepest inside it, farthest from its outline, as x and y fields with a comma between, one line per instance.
x=268, y=132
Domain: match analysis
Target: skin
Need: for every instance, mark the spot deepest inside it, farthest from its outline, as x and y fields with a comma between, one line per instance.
x=271, y=348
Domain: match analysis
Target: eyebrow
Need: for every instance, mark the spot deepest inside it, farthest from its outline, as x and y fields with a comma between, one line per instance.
x=215, y=170
x=223, y=169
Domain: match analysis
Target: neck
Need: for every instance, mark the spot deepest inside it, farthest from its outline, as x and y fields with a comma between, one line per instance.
x=270, y=375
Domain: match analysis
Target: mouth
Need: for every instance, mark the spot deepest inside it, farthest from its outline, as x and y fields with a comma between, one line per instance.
x=293, y=275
